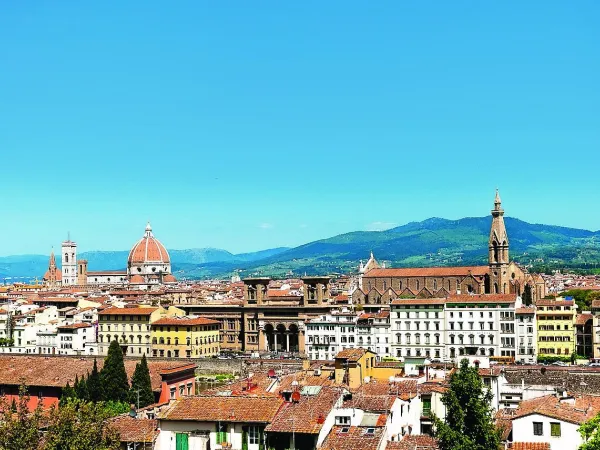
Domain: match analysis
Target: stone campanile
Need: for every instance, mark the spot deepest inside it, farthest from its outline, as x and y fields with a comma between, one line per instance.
x=498, y=250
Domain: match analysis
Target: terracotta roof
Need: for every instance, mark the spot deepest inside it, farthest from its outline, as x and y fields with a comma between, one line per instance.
x=429, y=272
x=57, y=371
x=308, y=415
x=529, y=446
x=414, y=442
x=226, y=409
x=482, y=298
x=56, y=300
x=581, y=319
x=418, y=301
x=525, y=310
x=351, y=354
x=137, y=311
x=353, y=438
x=585, y=407
x=136, y=279
x=74, y=326
x=135, y=430
x=552, y=302
x=185, y=321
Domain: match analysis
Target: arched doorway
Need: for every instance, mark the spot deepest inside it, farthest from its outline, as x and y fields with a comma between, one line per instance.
x=269, y=337
x=294, y=344
x=280, y=338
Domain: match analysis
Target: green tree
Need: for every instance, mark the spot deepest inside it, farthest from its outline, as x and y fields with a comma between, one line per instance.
x=589, y=433
x=141, y=382
x=527, y=297
x=19, y=429
x=67, y=393
x=81, y=389
x=79, y=425
x=94, y=388
x=113, y=376
x=469, y=422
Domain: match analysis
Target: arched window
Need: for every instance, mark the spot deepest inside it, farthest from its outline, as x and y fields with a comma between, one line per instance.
x=407, y=338
x=176, y=341
x=417, y=338
x=398, y=339
x=153, y=341
x=168, y=341
x=435, y=284
x=161, y=340
x=66, y=257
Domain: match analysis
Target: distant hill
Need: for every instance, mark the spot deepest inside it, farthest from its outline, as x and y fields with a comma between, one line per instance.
x=186, y=260
x=432, y=242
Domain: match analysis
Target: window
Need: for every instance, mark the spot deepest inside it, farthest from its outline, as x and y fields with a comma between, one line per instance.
x=555, y=429
x=538, y=429
x=172, y=393
x=342, y=420
x=253, y=435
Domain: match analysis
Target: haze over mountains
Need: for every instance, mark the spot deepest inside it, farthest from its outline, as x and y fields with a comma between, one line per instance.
x=432, y=242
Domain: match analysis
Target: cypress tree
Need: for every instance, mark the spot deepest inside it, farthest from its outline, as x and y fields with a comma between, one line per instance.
x=67, y=393
x=469, y=423
x=113, y=376
x=94, y=388
x=81, y=389
x=141, y=381
x=75, y=386
x=527, y=296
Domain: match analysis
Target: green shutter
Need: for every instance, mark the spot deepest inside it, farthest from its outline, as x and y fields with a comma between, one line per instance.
x=244, y=438
x=181, y=441
x=261, y=439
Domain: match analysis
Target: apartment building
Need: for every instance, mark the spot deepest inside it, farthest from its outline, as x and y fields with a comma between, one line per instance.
x=185, y=337
x=417, y=327
x=555, y=326
x=373, y=332
x=330, y=333
x=76, y=339
x=481, y=325
x=526, y=335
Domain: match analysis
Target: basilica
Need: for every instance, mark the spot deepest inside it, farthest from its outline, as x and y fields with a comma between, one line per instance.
x=379, y=285
x=148, y=265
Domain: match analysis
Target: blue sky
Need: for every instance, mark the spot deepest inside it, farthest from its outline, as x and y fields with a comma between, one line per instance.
x=249, y=125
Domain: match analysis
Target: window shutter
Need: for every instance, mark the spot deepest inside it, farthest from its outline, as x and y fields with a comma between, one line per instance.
x=244, y=438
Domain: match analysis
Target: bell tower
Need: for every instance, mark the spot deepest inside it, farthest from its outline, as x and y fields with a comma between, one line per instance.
x=498, y=251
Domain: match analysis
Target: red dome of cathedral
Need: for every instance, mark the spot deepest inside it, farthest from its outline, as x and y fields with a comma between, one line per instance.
x=148, y=250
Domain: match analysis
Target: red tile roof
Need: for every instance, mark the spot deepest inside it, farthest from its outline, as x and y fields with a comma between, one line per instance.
x=482, y=298
x=418, y=301
x=308, y=415
x=135, y=430
x=429, y=272
x=185, y=321
x=74, y=326
x=552, y=302
x=525, y=310
x=57, y=371
x=414, y=442
x=353, y=438
x=137, y=311
x=529, y=446
x=226, y=409
x=581, y=319
x=351, y=354
x=584, y=408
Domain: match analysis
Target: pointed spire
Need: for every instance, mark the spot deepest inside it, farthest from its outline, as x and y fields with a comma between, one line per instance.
x=497, y=201
x=52, y=261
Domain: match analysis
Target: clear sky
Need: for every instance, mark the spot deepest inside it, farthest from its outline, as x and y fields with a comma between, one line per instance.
x=246, y=125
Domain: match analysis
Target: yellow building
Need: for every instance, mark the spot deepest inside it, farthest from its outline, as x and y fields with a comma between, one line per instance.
x=555, y=327
x=185, y=337
x=130, y=327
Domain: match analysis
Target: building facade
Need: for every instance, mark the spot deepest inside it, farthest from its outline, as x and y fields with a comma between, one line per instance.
x=185, y=337
x=418, y=328
x=526, y=335
x=69, y=263
x=556, y=327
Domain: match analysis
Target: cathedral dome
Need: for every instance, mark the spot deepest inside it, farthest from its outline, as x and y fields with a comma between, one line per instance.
x=148, y=250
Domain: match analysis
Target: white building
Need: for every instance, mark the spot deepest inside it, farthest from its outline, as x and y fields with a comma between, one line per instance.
x=373, y=333
x=554, y=419
x=46, y=341
x=481, y=325
x=28, y=325
x=526, y=335
x=76, y=339
x=331, y=333
x=69, y=263
x=417, y=328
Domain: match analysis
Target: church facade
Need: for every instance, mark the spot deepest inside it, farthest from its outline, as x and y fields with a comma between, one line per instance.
x=379, y=285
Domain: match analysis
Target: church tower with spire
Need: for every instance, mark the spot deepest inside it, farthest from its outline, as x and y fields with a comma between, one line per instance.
x=53, y=276
x=498, y=251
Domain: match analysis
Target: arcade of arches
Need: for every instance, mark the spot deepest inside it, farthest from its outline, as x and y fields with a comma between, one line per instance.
x=281, y=337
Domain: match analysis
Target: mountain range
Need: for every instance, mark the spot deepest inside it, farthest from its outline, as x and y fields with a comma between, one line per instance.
x=432, y=242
